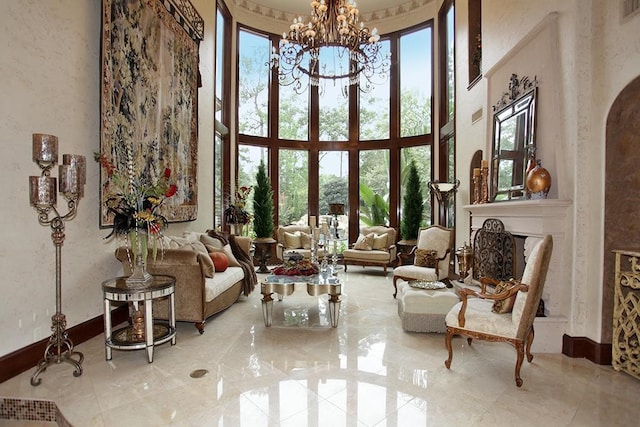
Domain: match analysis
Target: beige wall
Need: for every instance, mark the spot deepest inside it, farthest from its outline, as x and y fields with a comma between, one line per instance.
x=598, y=55
x=50, y=68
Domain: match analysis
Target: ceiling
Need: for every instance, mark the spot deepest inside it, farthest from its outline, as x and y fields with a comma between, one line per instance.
x=303, y=7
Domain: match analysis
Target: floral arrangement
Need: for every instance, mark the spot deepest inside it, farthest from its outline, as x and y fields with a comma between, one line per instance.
x=236, y=213
x=134, y=200
x=293, y=267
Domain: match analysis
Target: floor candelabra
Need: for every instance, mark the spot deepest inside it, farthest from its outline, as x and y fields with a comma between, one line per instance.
x=42, y=191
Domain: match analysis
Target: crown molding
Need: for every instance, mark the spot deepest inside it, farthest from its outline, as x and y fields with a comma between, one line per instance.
x=369, y=17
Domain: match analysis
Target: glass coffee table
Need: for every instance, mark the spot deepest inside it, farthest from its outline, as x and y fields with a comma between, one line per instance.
x=317, y=284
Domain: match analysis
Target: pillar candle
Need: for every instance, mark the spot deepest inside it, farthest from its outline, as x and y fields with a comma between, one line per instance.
x=69, y=182
x=476, y=171
x=325, y=228
x=316, y=233
x=45, y=148
x=42, y=191
x=80, y=163
x=312, y=221
x=485, y=164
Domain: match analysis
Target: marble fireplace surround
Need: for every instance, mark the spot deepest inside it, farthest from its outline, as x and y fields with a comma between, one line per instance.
x=531, y=220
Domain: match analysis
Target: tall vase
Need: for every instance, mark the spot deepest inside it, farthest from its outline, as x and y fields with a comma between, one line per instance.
x=139, y=277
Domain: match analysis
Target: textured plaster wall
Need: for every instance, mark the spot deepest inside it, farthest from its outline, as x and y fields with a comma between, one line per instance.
x=50, y=68
x=599, y=54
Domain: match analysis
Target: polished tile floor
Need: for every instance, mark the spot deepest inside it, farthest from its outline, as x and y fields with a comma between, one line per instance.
x=301, y=372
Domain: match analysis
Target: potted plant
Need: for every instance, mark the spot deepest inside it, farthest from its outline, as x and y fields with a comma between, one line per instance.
x=263, y=217
x=412, y=209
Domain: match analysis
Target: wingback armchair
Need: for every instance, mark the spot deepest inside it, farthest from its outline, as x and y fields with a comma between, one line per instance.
x=477, y=316
x=433, y=242
x=376, y=246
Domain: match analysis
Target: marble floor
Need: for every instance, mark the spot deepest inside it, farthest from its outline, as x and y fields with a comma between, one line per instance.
x=302, y=372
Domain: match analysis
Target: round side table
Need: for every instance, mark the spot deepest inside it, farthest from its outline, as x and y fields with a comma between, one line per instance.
x=144, y=332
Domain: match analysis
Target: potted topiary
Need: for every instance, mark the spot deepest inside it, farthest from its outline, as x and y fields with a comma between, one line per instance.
x=263, y=218
x=412, y=209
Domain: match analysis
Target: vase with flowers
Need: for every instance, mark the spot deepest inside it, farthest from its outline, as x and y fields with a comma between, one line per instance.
x=236, y=213
x=134, y=202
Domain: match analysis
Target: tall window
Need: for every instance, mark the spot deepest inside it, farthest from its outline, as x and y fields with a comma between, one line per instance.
x=331, y=144
x=415, y=83
x=253, y=87
x=222, y=110
x=446, y=155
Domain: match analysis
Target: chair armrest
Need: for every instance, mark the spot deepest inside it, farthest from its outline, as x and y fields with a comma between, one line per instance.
x=464, y=293
x=484, y=281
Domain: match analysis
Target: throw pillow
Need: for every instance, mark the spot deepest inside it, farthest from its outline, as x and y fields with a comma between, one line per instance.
x=201, y=250
x=220, y=261
x=305, y=240
x=292, y=240
x=426, y=258
x=211, y=242
x=380, y=242
x=233, y=261
x=364, y=243
x=505, y=305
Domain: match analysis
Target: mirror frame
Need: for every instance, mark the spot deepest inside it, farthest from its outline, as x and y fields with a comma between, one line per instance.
x=519, y=101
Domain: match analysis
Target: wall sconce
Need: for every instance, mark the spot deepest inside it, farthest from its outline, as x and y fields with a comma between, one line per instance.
x=42, y=194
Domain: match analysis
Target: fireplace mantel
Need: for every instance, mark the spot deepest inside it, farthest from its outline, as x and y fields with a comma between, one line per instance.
x=535, y=219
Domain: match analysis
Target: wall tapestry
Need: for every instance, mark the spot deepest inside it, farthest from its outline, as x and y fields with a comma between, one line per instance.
x=149, y=99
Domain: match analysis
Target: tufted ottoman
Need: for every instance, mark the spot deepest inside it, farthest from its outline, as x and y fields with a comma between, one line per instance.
x=424, y=310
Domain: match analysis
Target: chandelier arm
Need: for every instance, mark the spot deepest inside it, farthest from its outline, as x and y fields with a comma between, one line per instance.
x=333, y=24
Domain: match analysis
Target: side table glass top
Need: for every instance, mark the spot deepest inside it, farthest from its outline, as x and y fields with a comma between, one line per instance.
x=118, y=285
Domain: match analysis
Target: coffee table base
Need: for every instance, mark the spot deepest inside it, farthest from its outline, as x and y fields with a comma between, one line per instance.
x=286, y=289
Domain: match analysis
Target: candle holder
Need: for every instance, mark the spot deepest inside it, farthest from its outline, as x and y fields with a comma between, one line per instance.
x=484, y=175
x=42, y=192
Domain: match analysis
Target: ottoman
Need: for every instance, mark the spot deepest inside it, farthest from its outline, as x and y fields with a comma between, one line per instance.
x=422, y=310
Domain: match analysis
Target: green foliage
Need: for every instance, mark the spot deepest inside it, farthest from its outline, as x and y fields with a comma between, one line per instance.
x=374, y=209
x=293, y=191
x=333, y=189
x=412, y=205
x=262, y=204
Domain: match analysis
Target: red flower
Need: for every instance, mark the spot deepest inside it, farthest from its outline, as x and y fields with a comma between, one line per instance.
x=172, y=190
x=167, y=173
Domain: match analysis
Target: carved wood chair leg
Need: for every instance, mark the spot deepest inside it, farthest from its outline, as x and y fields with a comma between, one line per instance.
x=200, y=327
x=520, y=353
x=447, y=342
x=529, y=342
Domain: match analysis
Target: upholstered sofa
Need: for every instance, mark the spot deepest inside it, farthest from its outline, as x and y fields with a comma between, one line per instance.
x=376, y=246
x=201, y=291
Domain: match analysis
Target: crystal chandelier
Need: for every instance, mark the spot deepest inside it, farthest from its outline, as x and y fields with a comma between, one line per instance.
x=334, y=45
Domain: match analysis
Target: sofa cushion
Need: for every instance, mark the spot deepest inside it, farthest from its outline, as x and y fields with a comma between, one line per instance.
x=220, y=261
x=380, y=241
x=364, y=243
x=292, y=240
x=305, y=240
x=354, y=254
x=222, y=281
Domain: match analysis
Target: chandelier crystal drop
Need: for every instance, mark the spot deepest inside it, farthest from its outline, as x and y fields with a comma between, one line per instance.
x=333, y=45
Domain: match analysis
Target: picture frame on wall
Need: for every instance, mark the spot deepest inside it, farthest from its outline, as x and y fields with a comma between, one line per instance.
x=149, y=97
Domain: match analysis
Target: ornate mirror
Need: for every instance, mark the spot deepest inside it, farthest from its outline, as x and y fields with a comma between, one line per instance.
x=514, y=138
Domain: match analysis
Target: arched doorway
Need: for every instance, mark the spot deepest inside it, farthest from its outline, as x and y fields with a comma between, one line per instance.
x=622, y=189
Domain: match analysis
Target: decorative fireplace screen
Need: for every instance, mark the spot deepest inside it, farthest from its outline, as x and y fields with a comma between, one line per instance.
x=494, y=251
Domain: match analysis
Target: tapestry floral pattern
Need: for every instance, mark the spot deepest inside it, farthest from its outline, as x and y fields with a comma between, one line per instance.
x=149, y=100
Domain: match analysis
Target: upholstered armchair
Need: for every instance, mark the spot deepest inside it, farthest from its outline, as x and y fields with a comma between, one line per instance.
x=507, y=314
x=376, y=246
x=293, y=238
x=431, y=257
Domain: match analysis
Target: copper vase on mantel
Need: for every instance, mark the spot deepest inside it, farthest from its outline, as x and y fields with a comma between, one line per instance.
x=538, y=182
